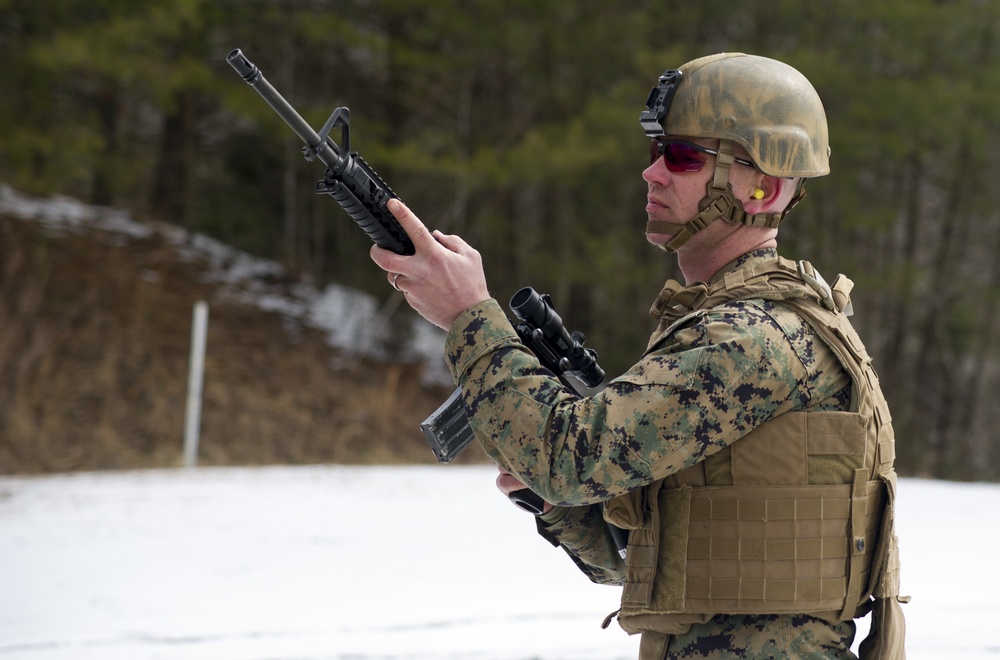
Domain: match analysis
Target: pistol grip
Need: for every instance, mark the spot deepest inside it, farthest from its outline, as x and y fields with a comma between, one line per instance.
x=528, y=500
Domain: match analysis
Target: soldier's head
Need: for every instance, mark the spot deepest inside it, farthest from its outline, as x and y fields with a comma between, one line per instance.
x=759, y=122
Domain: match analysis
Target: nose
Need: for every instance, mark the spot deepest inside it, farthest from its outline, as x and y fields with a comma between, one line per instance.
x=657, y=172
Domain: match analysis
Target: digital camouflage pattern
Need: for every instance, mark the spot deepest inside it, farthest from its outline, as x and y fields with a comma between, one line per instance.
x=764, y=636
x=693, y=393
x=698, y=389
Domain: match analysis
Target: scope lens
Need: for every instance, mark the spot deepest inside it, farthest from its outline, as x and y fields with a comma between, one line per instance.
x=528, y=305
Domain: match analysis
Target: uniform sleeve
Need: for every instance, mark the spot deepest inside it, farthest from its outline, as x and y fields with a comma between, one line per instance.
x=583, y=534
x=694, y=392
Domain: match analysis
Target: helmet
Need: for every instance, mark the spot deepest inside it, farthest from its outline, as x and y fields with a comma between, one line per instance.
x=767, y=107
x=764, y=105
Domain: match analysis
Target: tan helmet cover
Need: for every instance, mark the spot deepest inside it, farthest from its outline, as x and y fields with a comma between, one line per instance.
x=766, y=106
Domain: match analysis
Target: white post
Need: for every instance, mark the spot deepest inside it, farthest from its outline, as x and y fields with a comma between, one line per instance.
x=196, y=377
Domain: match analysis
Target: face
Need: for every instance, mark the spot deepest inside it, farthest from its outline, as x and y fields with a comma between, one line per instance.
x=673, y=197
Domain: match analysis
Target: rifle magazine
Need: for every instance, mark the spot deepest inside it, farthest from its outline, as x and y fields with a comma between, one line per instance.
x=447, y=429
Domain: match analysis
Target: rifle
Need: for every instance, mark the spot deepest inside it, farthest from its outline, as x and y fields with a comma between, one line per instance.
x=348, y=178
x=540, y=329
x=364, y=195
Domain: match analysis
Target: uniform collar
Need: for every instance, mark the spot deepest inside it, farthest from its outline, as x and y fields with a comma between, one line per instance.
x=746, y=261
x=677, y=300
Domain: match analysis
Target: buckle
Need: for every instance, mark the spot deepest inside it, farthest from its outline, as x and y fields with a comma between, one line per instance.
x=815, y=281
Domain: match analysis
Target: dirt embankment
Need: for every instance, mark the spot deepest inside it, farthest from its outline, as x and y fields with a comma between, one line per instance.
x=94, y=343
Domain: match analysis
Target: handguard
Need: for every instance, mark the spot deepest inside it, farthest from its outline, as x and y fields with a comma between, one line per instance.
x=348, y=178
x=363, y=194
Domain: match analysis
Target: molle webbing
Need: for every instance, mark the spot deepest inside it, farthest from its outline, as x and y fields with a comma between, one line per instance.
x=796, y=516
x=761, y=549
x=778, y=540
x=781, y=279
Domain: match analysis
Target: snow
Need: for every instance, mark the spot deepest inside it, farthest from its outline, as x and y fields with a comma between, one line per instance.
x=352, y=321
x=340, y=562
x=362, y=563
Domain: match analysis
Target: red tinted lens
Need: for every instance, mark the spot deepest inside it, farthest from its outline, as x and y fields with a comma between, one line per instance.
x=677, y=156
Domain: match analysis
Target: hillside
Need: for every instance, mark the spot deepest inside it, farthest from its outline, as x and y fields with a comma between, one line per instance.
x=96, y=314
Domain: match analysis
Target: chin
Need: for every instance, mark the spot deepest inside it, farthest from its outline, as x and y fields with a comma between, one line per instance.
x=659, y=240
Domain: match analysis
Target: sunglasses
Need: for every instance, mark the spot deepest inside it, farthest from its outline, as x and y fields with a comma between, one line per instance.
x=683, y=156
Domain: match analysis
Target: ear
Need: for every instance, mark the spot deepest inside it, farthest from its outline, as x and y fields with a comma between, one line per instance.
x=774, y=196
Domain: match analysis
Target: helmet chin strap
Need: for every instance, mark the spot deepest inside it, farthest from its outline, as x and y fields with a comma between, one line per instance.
x=718, y=202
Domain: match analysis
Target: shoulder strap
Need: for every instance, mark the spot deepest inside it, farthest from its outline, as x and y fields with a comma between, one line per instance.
x=777, y=279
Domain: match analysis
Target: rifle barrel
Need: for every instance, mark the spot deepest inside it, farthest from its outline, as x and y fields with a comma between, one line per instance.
x=325, y=149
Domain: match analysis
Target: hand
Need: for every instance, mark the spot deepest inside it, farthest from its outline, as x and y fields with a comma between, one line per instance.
x=442, y=279
x=508, y=483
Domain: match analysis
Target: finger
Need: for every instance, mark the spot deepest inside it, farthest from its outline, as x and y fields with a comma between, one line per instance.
x=507, y=483
x=411, y=224
x=451, y=241
x=387, y=260
x=394, y=280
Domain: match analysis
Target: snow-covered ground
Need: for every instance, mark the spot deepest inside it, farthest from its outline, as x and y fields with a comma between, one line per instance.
x=376, y=562
x=363, y=563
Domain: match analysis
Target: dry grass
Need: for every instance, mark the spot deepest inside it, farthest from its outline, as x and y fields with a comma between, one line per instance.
x=94, y=365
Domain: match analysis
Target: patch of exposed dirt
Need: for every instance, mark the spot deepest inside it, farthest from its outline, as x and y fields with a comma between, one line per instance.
x=96, y=333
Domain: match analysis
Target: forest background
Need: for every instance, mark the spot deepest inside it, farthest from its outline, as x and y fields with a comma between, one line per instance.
x=514, y=124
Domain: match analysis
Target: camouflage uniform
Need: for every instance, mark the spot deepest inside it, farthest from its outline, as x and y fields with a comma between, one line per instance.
x=717, y=377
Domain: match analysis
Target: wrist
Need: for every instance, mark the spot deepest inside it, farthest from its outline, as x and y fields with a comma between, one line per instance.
x=478, y=330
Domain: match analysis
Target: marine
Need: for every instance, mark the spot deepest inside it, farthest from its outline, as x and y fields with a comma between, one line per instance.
x=749, y=451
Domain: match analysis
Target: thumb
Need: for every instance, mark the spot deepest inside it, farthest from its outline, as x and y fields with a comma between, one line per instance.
x=508, y=483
